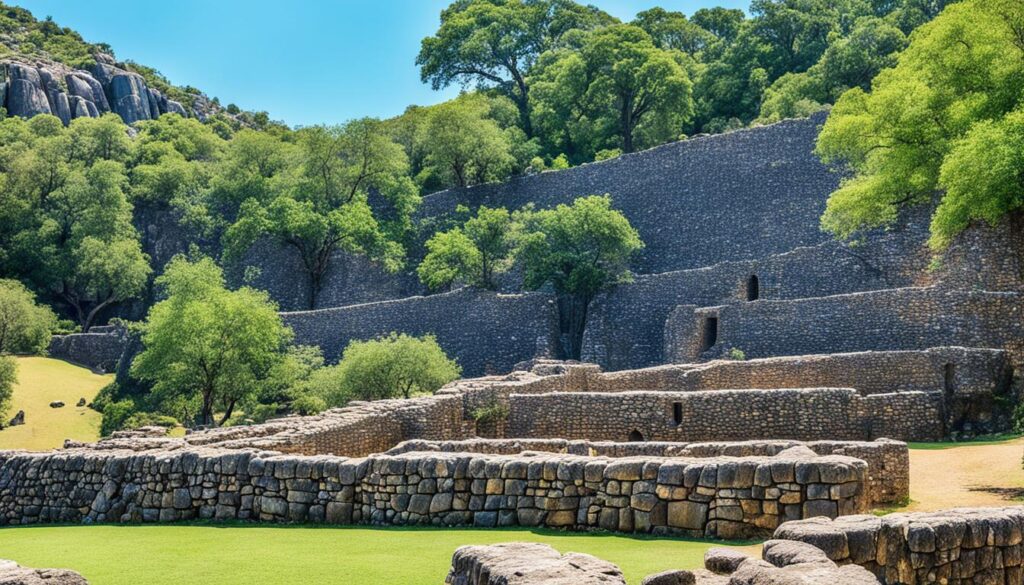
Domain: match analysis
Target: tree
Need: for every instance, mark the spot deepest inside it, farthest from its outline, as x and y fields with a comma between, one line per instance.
x=80, y=243
x=495, y=42
x=463, y=146
x=947, y=117
x=724, y=23
x=619, y=80
x=207, y=342
x=580, y=250
x=398, y=365
x=473, y=253
x=326, y=207
x=672, y=30
x=8, y=378
x=24, y=326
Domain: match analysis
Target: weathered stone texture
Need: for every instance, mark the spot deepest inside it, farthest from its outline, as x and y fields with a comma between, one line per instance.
x=716, y=497
x=969, y=545
x=100, y=349
x=528, y=563
x=12, y=573
x=727, y=415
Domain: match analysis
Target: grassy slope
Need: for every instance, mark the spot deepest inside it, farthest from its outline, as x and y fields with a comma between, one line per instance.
x=243, y=555
x=41, y=381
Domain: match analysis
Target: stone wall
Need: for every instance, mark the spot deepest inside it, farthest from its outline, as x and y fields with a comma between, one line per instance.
x=897, y=319
x=698, y=202
x=625, y=326
x=717, y=497
x=888, y=461
x=100, y=349
x=958, y=547
x=975, y=383
x=727, y=415
x=484, y=331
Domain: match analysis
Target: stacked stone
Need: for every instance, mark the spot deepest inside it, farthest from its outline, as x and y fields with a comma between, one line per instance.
x=528, y=563
x=957, y=547
x=888, y=461
x=805, y=414
x=723, y=497
x=12, y=573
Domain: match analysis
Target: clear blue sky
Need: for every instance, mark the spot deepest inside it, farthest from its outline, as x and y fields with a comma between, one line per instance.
x=304, y=61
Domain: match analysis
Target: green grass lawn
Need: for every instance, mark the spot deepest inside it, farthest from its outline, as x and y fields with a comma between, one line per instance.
x=246, y=555
x=40, y=382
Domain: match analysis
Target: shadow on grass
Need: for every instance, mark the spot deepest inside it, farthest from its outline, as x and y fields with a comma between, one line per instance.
x=545, y=532
x=980, y=441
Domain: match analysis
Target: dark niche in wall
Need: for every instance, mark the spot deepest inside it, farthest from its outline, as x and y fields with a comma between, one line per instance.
x=636, y=436
x=710, y=334
x=753, y=288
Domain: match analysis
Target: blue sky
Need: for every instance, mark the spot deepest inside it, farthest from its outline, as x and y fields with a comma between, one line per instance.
x=304, y=61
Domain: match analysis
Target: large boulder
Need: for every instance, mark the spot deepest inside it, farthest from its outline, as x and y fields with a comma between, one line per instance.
x=522, y=563
x=12, y=573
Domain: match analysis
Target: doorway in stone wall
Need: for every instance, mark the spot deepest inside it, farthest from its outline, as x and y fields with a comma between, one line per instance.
x=753, y=288
x=710, y=334
x=636, y=436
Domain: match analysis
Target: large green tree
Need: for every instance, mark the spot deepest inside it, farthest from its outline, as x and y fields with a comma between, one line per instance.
x=948, y=118
x=580, y=250
x=325, y=206
x=474, y=253
x=24, y=325
x=208, y=343
x=464, y=146
x=618, y=87
x=494, y=43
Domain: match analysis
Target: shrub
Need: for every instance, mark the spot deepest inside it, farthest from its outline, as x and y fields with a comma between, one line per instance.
x=8, y=376
x=24, y=326
x=737, y=354
x=116, y=415
x=394, y=366
x=492, y=413
x=607, y=153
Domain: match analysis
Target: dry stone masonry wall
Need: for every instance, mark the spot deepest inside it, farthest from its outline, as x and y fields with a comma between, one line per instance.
x=725, y=497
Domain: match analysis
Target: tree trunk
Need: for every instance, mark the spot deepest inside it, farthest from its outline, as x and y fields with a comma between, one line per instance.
x=227, y=414
x=627, y=125
x=572, y=310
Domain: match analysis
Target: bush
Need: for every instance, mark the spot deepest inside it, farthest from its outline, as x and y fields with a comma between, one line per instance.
x=492, y=413
x=8, y=376
x=150, y=419
x=116, y=415
x=608, y=153
x=395, y=366
x=737, y=354
x=309, y=404
x=24, y=326
x=560, y=162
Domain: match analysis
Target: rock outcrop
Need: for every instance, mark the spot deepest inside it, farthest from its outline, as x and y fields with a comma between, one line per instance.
x=522, y=563
x=27, y=90
x=12, y=573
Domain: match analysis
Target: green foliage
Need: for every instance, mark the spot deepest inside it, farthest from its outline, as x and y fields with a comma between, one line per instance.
x=737, y=354
x=208, y=343
x=321, y=204
x=116, y=415
x=8, y=378
x=491, y=413
x=474, y=253
x=494, y=43
x=580, y=250
x=395, y=366
x=464, y=147
x=946, y=117
x=25, y=327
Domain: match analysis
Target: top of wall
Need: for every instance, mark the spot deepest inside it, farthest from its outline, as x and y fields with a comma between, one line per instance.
x=742, y=195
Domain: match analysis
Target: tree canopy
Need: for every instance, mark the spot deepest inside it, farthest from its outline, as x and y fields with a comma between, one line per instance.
x=474, y=253
x=947, y=117
x=205, y=345
x=25, y=327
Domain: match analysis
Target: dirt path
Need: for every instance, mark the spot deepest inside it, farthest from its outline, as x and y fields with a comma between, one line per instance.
x=969, y=475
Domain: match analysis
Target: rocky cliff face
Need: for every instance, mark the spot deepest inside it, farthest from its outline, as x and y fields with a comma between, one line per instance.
x=51, y=88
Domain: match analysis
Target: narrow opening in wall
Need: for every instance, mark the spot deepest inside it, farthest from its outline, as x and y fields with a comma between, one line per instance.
x=710, y=333
x=753, y=288
x=636, y=437
x=677, y=412
x=949, y=375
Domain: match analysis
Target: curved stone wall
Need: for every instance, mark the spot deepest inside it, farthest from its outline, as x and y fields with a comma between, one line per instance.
x=716, y=497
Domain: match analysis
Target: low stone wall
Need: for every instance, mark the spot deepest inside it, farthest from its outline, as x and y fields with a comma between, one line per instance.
x=888, y=461
x=958, y=547
x=98, y=350
x=897, y=319
x=528, y=563
x=718, y=497
x=806, y=414
x=466, y=322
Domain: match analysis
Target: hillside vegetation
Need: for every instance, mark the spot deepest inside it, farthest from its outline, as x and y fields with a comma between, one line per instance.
x=40, y=382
